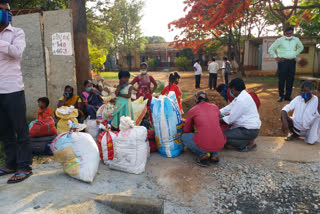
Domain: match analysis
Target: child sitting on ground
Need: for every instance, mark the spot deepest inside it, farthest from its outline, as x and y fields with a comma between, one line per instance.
x=173, y=86
x=44, y=109
x=123, y=106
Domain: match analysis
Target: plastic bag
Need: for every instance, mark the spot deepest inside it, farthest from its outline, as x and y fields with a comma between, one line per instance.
x=131, y=149
x=139, y=108
x=65, y=114
x=92, y=128
x=78, y=154
x=168, y=125
x=105, y=112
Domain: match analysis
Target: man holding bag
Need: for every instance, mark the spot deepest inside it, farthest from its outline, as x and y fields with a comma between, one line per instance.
x=14, y=132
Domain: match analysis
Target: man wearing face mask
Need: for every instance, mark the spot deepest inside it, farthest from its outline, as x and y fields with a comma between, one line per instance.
x=285, y=51
x=14, y=132
x=243, y=118
x=306, y=118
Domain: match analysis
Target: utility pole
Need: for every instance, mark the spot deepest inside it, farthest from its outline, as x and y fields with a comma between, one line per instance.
x=80, y=42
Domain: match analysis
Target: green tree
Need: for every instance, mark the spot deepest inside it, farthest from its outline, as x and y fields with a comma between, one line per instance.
x=155, y=39
x=182, y=62
x=43, y=4
x=122, y=19
x=97, y=56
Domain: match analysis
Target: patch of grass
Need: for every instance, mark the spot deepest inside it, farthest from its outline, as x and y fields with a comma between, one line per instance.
x=184, y=94
x=267, y=79
x=109, y=75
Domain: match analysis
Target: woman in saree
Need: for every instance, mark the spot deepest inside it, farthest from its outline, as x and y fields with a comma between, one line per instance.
x=71, y=99
x=123, y=106
x=91, y=99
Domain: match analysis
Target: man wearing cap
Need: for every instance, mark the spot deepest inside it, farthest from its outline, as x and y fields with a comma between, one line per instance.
x=202, y=132
x=14, y=132
x=285, y=51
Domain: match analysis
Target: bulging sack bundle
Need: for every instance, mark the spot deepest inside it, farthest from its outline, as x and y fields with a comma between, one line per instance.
x=131, y=148
x=106, y=140
x=78, y=154
x=168, y=125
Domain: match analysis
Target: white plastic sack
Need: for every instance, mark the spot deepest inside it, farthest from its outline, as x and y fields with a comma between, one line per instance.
x=78, y=154
x=92, y=128
x=131, y=149
x=167, y=121
x=107, y=147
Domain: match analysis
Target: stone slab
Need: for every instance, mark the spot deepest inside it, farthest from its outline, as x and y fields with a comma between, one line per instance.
x=33, y=62
x=60, y=68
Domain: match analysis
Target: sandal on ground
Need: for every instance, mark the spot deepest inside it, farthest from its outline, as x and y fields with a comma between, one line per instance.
x=6, y=172
x=292, y=137
x=24, y=176
x=249, y=148
x=203, y=163
x=214, y=159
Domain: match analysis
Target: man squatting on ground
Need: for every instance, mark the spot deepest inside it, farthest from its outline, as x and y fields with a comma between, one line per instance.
x=14, y=131
x=243, y=118
x=306, y=116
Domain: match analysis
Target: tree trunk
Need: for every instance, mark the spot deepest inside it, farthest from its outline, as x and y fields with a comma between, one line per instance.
x=80, y=42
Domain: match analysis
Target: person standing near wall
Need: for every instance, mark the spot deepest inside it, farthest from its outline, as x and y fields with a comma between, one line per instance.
x=285, y=51
x=14, y=131
x=213, y=74
x=198, y=71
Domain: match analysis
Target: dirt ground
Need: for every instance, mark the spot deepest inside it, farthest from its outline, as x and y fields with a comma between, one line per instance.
x=267, y=92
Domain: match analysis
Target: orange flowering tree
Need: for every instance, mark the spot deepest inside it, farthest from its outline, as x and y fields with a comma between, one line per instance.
x=226, y=21
x=230, y=22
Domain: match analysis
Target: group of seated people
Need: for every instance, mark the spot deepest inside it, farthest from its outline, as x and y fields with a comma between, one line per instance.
x=204, y=136
x=207, y=129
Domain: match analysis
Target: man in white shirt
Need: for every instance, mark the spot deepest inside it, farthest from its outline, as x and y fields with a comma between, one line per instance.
x=243, y=117
x=198, y=71
x=14, y=131
x=213, y=74
x=306, y=118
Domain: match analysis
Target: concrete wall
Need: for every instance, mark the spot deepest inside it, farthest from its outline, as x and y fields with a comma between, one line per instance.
x=251, y=55
x=33, y=63
x=60, y=68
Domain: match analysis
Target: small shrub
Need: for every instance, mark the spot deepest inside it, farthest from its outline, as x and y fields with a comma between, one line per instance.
x=182, y=62
x=151, y=63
